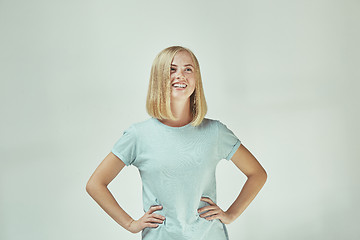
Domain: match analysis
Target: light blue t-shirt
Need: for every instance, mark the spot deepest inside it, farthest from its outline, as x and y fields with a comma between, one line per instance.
x=177, y=167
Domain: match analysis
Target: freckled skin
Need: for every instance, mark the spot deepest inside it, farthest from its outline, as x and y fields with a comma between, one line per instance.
x=182, y=73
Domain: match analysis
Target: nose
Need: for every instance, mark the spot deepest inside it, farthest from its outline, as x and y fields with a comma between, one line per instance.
x=179, y=75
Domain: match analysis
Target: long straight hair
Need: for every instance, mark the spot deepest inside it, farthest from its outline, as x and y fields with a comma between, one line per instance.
x=159, y=92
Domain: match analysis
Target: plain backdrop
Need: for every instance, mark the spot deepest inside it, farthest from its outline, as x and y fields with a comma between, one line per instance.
x=282, y=75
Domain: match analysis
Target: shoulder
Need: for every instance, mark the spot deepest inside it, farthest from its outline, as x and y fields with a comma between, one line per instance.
x=219, y=123
x=221, y=126
x=142, y=125
x=211, y=121
x=209, y=124
x=135, y=126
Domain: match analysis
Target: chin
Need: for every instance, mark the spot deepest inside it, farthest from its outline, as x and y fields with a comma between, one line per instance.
x=178, y=98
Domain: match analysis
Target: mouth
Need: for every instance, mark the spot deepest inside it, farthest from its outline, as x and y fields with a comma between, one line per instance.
x=179, y=85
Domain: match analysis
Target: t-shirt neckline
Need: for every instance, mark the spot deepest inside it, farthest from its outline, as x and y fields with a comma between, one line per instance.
x=169, y=127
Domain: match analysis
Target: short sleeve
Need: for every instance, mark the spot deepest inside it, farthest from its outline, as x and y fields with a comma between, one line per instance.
x=125, y=147
x=228, y=142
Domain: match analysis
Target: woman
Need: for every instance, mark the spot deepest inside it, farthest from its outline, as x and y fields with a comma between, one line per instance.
x=176, y=152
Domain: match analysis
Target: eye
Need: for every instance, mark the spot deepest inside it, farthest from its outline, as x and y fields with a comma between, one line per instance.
x=189, y=69
x=172, y=69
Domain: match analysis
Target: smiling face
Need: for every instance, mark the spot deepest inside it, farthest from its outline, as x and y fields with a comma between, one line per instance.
x=183, y=72
x=163, y=99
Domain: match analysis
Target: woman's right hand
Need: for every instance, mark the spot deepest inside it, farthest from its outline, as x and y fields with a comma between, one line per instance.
x=148, y=220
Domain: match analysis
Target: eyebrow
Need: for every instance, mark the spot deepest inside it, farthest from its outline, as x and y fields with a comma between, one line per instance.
x=184, y=65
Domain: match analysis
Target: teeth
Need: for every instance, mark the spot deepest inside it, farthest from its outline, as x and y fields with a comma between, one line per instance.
x=179, y=85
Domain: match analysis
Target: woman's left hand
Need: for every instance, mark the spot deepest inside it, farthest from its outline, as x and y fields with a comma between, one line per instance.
x=214, y=212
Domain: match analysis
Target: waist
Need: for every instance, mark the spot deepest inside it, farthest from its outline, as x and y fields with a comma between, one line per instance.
x=195, y=228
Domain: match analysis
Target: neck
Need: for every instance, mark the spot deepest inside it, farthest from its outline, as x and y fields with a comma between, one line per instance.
x=181, y=111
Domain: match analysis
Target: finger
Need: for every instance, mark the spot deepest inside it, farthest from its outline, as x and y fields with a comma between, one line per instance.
x=212, y=217
x=202, y=209
x=154, y=208
x=211, y=207
x=157, y=216
x=208, y=200
x=209, y=213
x=154, y=220
x=151, y=225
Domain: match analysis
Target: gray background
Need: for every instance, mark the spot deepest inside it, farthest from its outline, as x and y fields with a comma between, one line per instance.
x=280, y=74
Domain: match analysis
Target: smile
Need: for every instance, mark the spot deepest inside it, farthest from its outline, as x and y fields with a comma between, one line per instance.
x=179, y=85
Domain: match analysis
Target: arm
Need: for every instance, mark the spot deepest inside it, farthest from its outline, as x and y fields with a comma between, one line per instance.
x=97, y=189
x=256, y=175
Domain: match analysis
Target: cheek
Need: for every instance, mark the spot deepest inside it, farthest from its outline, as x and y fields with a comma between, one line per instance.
x=193, y=82
x=192, y=87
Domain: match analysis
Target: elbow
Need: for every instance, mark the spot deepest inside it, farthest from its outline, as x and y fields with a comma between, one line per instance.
x=260, y=176
x=91, y=186
x=263, y=176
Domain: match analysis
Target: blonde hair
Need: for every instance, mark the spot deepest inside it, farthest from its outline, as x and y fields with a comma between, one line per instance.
x=159, y=92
